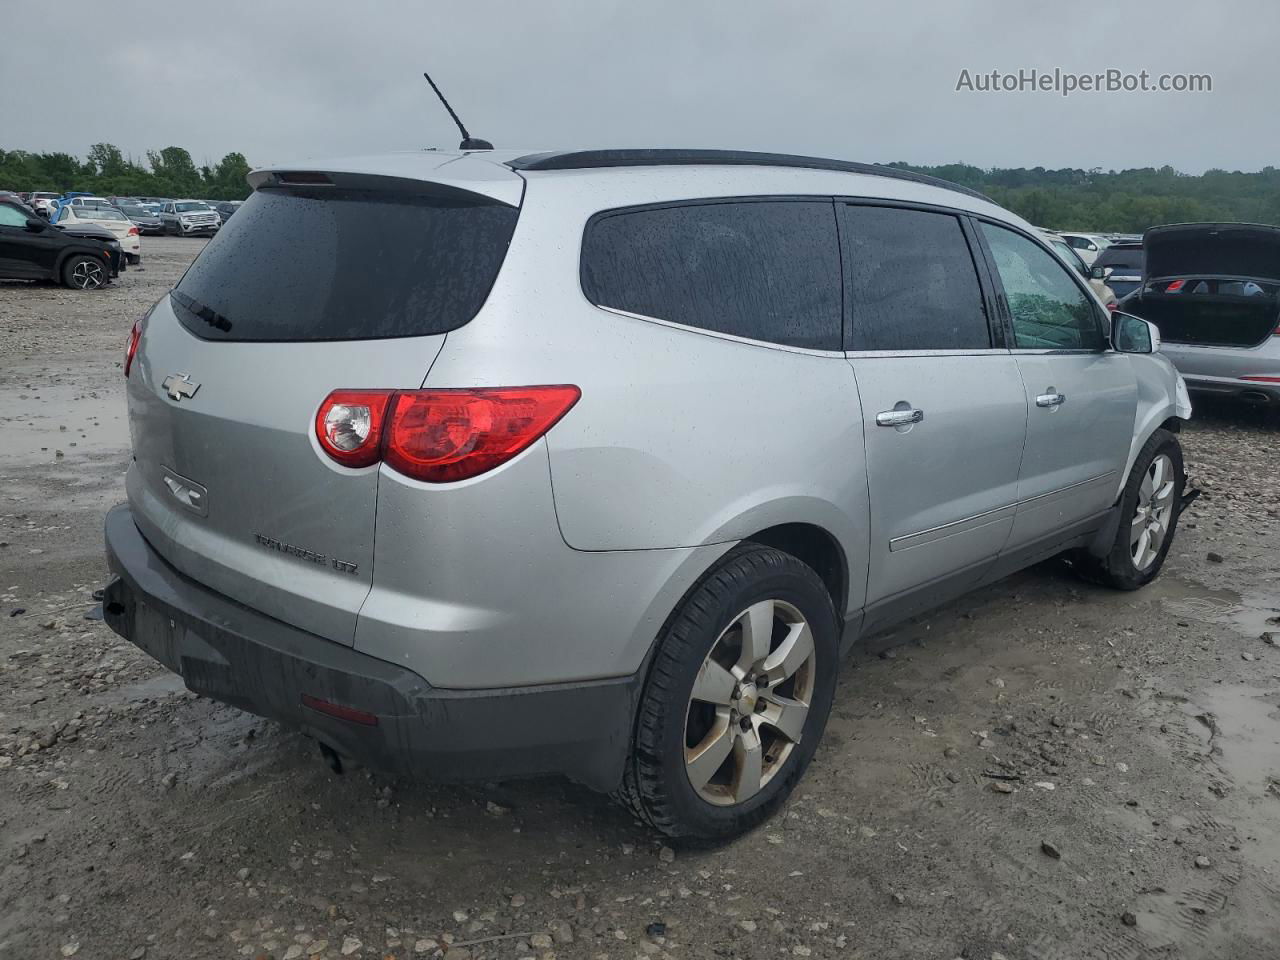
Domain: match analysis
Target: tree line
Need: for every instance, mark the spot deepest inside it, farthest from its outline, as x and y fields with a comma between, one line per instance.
x=106, y=170
x=1125, y=201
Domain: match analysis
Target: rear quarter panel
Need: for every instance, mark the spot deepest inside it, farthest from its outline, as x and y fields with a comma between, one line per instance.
x=681, y=438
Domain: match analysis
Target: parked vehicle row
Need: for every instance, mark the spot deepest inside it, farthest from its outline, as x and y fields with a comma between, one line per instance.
x=1068, y=253
x=84, y=255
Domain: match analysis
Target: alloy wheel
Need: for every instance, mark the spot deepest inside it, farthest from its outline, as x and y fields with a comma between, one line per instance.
x=1154, y=512
x=87, y=275
x=749, y=703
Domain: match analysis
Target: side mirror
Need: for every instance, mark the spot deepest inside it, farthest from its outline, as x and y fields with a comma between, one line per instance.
x=1130, y=334
x=35, y=224
x=1098, y=273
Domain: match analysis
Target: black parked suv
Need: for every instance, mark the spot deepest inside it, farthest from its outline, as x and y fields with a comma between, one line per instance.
x=85, y=257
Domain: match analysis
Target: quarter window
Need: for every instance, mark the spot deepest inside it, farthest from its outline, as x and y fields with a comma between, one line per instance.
x=1048, y=308
x=913, y=284
x=764, y=270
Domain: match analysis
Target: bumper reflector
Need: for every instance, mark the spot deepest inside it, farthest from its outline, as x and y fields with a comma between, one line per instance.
x=350, y=714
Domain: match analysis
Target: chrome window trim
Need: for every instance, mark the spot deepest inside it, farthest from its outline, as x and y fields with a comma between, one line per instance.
x=888, y=354
x=768, y=344
x=1060, y=351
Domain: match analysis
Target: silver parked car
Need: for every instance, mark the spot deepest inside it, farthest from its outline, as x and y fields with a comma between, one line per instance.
x=594, y=463
x=185, y=218
x=1213, y=290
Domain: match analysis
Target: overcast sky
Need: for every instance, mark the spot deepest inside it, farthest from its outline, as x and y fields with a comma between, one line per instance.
x=282, y=79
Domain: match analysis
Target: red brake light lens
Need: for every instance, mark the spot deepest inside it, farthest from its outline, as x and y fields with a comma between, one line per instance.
x=349, y=425
x=439, y=436
x=133, y=231
x=131, y=348
x=1175, y=286
x=445, y=435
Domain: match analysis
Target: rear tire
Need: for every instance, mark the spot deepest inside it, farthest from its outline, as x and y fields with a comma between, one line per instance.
x=737, y=697
x=1149, y=509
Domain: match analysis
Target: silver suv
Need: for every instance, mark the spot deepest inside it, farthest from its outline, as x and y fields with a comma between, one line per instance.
x=488, y=465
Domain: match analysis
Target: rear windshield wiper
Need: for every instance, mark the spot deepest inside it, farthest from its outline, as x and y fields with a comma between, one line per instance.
x=198, y=309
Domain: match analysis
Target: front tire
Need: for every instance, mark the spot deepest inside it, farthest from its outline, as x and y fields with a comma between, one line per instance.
x=1149, y=510
x=737, y=698
x=82, y=272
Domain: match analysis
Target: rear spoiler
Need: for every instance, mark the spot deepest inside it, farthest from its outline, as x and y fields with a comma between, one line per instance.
x=317, y=181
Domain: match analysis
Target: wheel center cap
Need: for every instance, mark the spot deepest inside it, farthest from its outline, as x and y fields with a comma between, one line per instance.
x=747, y=697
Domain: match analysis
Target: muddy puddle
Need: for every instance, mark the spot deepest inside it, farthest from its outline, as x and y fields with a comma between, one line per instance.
x=1242, y=726
x=1251, y=613
x=61, y=418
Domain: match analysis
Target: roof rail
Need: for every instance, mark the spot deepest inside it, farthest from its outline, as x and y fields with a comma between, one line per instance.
x=595, y=159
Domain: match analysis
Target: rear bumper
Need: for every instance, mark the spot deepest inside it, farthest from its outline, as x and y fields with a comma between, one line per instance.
x=1231, y=388
x=231, y=653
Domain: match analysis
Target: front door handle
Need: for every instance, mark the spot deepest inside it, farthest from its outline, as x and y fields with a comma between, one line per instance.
x=899, y=418
x=1051, y=399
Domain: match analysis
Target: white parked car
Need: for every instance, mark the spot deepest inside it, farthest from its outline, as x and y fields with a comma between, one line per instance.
x=89, y=202
x=120, y=226
x=186, y=217
x=1087, y=245
x=40, y=201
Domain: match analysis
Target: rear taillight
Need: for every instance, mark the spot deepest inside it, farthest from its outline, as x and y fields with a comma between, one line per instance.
x=439, y=436
x=133, y=231
x=1261, y=379
x=1175, y=286
x=131, y=348
x=349, y=425
x=445, y=435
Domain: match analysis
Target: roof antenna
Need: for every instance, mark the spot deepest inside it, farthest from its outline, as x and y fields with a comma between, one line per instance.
x=468, y=142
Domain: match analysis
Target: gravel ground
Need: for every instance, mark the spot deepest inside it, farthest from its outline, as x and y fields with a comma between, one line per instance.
x=1041, y=770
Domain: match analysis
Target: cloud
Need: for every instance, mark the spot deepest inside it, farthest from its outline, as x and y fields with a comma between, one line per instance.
x=866, y=81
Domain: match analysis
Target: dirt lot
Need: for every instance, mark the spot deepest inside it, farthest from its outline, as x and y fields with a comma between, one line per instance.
x=1041, y=770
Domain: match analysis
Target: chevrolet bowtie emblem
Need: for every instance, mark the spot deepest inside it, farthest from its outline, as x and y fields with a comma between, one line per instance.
x=179, y=385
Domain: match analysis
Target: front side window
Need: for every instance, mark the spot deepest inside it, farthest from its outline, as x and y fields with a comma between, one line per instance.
x=1049, y=310
x=764, y=270
x=12, y=217
x=913, y=284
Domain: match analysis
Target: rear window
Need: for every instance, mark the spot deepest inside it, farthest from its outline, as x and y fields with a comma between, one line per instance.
x=913, y=283
x=345, y=265
x=764, y=270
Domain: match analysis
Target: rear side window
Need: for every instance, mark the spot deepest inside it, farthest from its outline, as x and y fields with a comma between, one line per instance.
x=764, y=270
x=345, y=265
x=913, y=283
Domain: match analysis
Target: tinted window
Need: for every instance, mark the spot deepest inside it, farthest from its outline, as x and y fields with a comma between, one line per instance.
x=346, y=265
x=763, y=270
x=12, y=216
x=1049, y=309
x=913, y=285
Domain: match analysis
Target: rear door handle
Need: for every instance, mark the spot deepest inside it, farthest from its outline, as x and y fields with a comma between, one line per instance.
x=898, y=418
x=1051, y=399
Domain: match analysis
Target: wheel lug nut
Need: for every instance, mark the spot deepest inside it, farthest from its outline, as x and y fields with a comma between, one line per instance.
x=745, y=724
